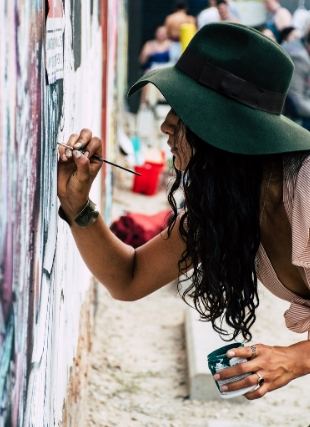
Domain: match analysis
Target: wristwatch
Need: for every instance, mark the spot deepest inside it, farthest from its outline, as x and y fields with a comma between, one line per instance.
x=85, y=218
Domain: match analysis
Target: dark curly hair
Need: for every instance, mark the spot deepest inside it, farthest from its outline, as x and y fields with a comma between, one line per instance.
x=221, y=230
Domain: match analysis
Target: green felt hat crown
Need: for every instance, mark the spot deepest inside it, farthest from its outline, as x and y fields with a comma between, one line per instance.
x=229, y=87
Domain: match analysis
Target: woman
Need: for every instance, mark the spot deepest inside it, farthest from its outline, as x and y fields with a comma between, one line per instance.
x=156, y=52
x=244, y=169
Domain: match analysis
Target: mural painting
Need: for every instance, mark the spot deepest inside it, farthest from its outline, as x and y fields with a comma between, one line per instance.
x=46, y=292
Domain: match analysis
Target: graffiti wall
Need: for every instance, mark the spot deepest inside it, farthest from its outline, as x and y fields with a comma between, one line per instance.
x=51, y=77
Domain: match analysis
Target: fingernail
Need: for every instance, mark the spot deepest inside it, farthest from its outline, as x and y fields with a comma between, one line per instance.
x=216, y=377
x=77, y=153
x=64, y=157
x=224, y=388
x=78, y=145
x=230, y=353
x=69, y=153
x=86, y=154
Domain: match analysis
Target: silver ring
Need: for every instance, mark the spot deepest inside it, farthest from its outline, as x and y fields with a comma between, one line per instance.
x=254, y=352
x=260, y=380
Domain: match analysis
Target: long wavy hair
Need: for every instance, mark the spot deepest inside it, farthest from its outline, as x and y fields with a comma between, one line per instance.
x=220, y=225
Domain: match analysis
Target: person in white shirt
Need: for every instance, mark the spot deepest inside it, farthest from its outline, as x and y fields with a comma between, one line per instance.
x=211, y=14
x=208, y=15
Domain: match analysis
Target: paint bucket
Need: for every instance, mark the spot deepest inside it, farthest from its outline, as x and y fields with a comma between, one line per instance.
x=218, y=361
x=147, y=183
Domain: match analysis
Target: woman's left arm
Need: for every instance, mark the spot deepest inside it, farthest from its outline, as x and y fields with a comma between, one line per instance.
x=277, y=365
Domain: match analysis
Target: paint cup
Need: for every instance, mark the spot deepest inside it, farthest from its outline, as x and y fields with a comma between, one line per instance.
x=218, y=361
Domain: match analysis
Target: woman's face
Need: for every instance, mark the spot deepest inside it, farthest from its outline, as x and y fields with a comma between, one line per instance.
x=180, y=148
x=161, y=34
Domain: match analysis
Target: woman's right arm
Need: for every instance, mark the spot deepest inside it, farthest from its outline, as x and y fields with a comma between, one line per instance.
x=145, y=52
x=127, y=273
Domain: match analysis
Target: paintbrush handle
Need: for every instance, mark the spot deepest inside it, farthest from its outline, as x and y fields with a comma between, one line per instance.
x=114, y=164
x=101, y=159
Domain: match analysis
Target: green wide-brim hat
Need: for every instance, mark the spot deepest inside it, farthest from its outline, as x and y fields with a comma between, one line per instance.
x=229, y=87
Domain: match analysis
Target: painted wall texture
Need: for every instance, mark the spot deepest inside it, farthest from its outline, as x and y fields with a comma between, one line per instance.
x=53, y=72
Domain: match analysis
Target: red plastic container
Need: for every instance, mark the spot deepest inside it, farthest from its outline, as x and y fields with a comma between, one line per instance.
x=147, y=183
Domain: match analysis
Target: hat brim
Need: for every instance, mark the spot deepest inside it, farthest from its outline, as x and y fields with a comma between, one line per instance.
x=222, y=121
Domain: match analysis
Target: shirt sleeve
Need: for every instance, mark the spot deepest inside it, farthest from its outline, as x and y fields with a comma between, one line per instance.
x=301, y=217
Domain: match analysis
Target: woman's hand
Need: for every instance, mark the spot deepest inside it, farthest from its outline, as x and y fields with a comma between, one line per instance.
x=77, y=171
x=277, y=365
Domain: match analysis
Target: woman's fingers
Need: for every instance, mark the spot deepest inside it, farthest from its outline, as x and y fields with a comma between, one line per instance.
x=82, y=174
x=248, y=352
x=83, y=139
x=276, y=365
x=66, y=153
x=236, y=370
x=94, y=147
x=257, y=394
x=250, y=381
x=83, y=143
x=76, y=141
x=77, y=169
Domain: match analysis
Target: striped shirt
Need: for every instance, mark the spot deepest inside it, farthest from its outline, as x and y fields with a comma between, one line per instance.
x=296, y=199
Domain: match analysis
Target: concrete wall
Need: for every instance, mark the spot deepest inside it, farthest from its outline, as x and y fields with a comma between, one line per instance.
x=46, y=293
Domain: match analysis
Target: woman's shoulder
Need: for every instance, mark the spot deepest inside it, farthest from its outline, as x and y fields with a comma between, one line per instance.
x=296, y=167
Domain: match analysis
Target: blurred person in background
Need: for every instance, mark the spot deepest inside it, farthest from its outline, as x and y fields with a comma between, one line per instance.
x=174, y=21
x=301, y=17
x=268, y=33
x=210, y=14
x=173, y=24
x=233, y=8
x=297, y=105
x=157, y=51
x=225, y=12
x=279, y=17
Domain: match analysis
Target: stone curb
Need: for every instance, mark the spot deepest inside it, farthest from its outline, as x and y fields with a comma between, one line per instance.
x=201, y=340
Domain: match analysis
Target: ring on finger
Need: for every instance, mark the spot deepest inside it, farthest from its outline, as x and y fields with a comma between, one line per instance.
x=254, y=352
x=260, y=381
x=256, y=387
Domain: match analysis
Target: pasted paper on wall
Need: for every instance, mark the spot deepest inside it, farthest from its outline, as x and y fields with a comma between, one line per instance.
x=54, y=41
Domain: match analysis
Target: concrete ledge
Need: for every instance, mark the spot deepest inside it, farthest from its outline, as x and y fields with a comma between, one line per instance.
x=201, y=339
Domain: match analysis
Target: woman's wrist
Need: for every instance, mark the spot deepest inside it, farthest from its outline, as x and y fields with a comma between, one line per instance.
x=300, y=354
x=83, y=217
x=69, y=211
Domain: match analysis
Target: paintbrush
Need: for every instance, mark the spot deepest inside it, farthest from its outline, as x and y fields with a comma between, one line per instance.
x=100, y=158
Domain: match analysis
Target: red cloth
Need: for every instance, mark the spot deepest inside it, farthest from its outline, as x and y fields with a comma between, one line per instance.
x=135, y=229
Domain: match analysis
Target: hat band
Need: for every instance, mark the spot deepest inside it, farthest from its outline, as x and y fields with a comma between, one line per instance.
x=229, y=84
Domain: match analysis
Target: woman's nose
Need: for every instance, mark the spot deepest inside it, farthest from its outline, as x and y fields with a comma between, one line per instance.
x=163, y=127
x=167, y=128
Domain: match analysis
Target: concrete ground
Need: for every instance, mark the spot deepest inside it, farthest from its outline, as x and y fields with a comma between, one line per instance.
x=139, y=368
